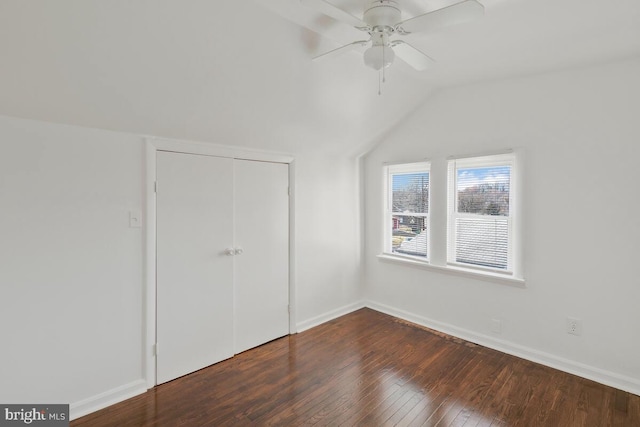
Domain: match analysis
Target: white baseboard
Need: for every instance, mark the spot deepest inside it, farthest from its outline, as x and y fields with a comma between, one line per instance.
x=325, y=317
x=108, y=398
x=602, y=376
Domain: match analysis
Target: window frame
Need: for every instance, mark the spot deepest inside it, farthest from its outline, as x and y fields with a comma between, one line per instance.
x=481, y=161
x=390, y=171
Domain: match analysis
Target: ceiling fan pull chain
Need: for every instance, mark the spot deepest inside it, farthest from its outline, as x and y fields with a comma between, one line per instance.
x=384, y=75
x=380, y=82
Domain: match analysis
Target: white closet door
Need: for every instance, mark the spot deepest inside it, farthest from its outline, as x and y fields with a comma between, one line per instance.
x=261, y=273
x=194, y=275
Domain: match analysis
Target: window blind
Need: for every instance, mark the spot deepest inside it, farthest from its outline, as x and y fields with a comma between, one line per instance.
x=408, y=212
x=480, y=212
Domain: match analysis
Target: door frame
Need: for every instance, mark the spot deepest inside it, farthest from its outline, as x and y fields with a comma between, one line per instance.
x=151, y=146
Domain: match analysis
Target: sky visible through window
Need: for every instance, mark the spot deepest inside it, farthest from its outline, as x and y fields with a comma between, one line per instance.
x=484, y=190
x=474, y=177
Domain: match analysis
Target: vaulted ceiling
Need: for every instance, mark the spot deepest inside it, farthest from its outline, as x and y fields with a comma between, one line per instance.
x=240, y=72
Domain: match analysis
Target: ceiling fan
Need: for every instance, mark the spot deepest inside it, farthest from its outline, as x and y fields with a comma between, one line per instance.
x=382, y=20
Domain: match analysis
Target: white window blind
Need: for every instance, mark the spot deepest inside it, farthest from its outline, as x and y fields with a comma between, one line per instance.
x=480, y=212
x=407, y=214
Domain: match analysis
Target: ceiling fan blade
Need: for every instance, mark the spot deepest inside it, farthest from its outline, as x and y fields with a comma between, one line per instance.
x=411, y=55
x=458, y=13
x=328, y=9
x=342, y=49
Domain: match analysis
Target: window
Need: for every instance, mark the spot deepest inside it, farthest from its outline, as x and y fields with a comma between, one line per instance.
x=458, y=216
x=407, y=210
x=480, y=223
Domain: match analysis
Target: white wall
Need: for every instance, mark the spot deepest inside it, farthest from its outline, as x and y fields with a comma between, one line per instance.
x=71, y=273
x=580, y=133
x=328, y=268
x=71, y=276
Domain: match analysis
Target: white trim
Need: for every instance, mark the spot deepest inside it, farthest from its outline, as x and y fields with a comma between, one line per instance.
x=292, y=249
x=517, y=212
x=330, y=315
x=612, y=379
x=152, y=146
x=234, y=265
x=209, y=149
x=484, y=154
x=407, y=162
x=108, y=398
x=149, y=309
x=487, y=276
x=408, y=168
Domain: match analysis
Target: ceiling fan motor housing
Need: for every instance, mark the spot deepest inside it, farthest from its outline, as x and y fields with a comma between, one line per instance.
x=382, y=15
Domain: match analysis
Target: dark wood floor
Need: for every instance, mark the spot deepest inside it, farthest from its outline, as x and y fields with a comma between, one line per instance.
x=370, y=369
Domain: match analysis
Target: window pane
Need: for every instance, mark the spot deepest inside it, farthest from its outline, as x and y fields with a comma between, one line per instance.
x=482, y=241
x=484, y=191
x=409, y=235
x=410, y=192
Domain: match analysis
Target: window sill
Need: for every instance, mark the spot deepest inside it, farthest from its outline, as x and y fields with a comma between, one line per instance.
x=458, y=271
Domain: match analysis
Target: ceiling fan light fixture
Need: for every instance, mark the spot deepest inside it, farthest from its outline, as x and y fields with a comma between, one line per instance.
x=379, y=56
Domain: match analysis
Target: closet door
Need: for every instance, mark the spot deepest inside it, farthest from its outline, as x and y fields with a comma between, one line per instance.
x=194, y=273
x=261, y=273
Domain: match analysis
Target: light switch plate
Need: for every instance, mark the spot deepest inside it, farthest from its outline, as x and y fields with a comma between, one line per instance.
x=135, y=219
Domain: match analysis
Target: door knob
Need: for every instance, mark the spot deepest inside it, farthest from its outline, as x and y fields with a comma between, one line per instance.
x=239, y=251
x=229, y=252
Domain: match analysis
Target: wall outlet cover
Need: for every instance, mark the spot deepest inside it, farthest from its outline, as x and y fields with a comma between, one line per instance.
x=574, y=326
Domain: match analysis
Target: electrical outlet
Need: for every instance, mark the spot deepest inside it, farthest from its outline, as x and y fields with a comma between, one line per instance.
x=574, y=326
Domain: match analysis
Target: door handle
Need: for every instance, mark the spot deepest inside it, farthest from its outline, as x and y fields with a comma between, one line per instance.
x=230, y=252
x=239, y=251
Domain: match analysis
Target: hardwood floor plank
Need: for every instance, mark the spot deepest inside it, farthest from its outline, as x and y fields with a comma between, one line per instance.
x=370, y=369
x=415, y=398
x=439, y=389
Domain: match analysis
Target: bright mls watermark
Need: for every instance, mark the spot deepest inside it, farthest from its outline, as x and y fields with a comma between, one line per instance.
x=34, y=415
